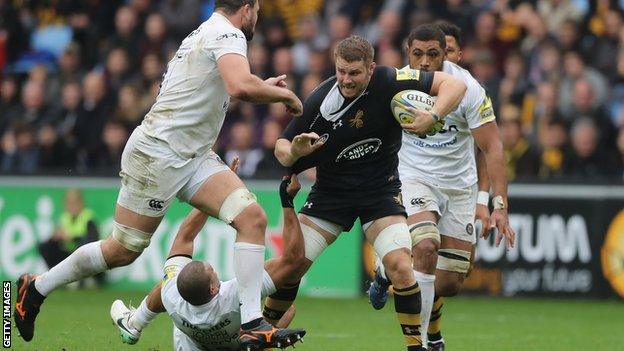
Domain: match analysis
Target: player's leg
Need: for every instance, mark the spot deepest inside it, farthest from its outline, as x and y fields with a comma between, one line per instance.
x=392, y=243
x=149, y=183
x=456, y=252
x=317, y=235
x=88, y=260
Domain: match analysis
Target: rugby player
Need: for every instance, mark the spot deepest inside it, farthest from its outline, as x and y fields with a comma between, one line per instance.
x=349, y=133
x=205, y=311
x=169, y=155
x=440, y=186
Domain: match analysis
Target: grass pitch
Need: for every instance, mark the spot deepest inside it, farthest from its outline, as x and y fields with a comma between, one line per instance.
x=79, y=320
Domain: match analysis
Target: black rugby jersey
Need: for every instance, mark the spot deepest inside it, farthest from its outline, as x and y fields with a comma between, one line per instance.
x=362, y=137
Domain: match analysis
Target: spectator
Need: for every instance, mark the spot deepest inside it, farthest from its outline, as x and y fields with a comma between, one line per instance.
x=241, y=146
x=553, y=141
x=584, y=106
x=557, y=12
x=106, y=160
x=514, y=84
x=125, y=35
x=605, y=47
x=269, y=167
x=70, y=69
x=95, y=111
x=129, y=111
x=76, y=227
x=33, y=109
x=9, y=102
x=585, y=160
x=20, y=154
x=117, y=68
x=155, y=40
x=65, y=117
x=522, y=159
x=259, y=60
x=575, y=69
x=54, y=154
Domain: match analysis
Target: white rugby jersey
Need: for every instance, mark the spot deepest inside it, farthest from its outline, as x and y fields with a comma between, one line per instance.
x=191, y=105
x=447, y=159
x=214, y=325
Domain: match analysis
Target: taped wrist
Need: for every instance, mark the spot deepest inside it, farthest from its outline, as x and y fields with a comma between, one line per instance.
x=287, y=200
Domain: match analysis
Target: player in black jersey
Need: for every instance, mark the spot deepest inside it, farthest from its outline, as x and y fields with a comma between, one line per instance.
x=349, y=133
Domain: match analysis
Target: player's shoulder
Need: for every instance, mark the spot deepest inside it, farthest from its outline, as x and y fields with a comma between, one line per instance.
x=320, y=92
x=457, y=71
x=218, y=27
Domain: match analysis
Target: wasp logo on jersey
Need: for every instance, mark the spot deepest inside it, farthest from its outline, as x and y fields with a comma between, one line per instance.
x=358, y=120
x=360, y=149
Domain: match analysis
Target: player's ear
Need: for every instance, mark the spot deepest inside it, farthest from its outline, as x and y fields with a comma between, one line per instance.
x=372, y=66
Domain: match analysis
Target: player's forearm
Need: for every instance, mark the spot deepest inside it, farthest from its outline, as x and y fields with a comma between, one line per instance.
x=283, y=153
x=256, y=90
x=192, y=225
x=450, y=94
x=496, y=167
x=294, y=249
x=482, y=172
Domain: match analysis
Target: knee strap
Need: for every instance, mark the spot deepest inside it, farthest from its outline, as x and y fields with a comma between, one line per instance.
x=454, y=260
x=424, y=230
x=235, y=203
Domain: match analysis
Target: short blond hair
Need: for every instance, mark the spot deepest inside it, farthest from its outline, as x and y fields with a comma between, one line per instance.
x=355, y=48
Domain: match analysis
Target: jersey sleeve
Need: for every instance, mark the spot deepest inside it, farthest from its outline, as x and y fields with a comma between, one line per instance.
x=478, y=107
x=172, y=268
x=406, y=78
x=228, y=42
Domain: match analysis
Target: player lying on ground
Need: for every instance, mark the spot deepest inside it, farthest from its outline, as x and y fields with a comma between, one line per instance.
x=350, y=134
x=169, y=155
x=440, y=187
x=205, y=311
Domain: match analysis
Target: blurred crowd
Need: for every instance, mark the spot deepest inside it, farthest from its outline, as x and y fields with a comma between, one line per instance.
x=78, y=76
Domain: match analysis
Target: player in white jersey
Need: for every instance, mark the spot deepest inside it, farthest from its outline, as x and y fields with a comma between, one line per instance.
x=439, y=184
x=206, y=312
x=170, y=156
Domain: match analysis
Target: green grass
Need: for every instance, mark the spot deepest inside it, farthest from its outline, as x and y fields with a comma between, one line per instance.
x=79, y=320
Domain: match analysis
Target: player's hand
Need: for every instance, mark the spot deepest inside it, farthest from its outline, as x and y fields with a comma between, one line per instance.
x=500, y=221
x=288, y=190
x=279, y=81
x=235, y=163
x=422, y=124
x=482, y=214
x=294, y=106
x=305, y=144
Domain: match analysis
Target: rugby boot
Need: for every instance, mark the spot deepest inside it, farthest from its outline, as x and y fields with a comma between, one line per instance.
x=120, y=314
x=266, y=336
x=378, y=291
x=29, y=301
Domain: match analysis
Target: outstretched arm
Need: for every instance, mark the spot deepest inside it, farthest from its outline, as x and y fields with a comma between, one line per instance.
x=283, y=267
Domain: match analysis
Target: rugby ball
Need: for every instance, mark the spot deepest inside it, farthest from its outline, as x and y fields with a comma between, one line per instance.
x=410, y=98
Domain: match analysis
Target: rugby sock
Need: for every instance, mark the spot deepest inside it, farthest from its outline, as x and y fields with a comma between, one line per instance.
x=248, y=269
x=86, y=261
x=433, y=332
x=142, y=316
x=279, y=302
x=407, y=307
x=427, y=293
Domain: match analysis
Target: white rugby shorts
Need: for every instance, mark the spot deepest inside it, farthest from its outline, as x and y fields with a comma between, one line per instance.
x=152, y=174
x=455, y=207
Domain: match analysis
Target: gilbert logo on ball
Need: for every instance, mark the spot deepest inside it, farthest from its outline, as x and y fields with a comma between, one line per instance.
x=410, y=98
x=612, y=254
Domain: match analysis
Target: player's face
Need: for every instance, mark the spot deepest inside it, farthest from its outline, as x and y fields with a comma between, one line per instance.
x=426, y=55
x=353, y=77
x=250, y=17
x=453, y=51
x=215, y=283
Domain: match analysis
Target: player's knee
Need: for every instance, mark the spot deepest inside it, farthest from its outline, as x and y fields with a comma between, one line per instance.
x=448, y=287
x=116, y=254
x=427, y=248
x=252, y=221
x=399, y=269
x=130, y=243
